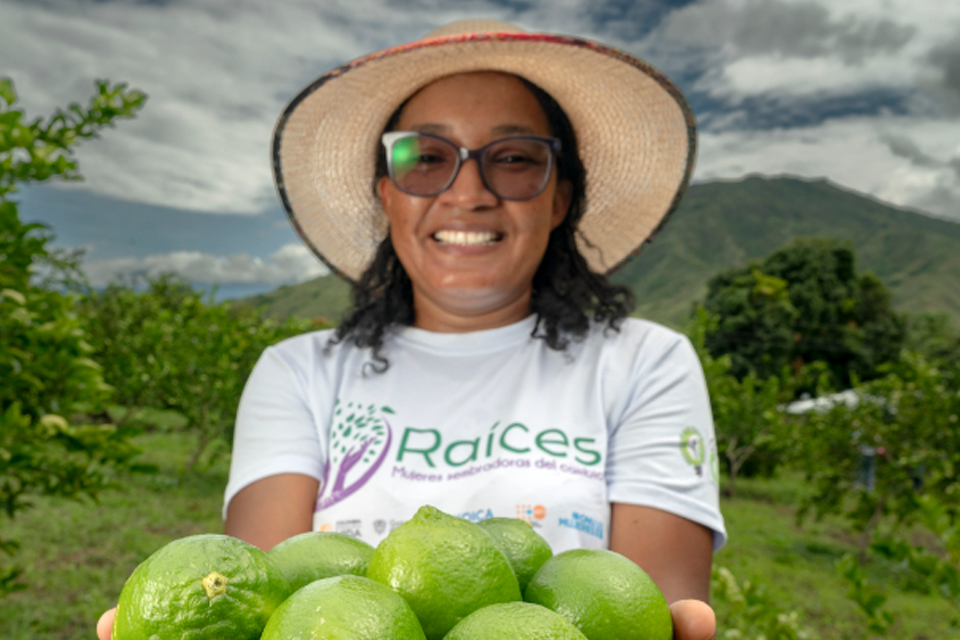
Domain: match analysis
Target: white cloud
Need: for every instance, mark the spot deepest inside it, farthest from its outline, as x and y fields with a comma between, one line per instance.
x=290, y=264
x=905, y=161
x=217, y=73
x=791, y=77
x=789, y=48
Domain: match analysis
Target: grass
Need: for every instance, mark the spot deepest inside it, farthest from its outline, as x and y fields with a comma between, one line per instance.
x=797, y=566
x=77, y=555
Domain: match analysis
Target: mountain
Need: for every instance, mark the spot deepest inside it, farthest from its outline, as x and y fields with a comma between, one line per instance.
x=719, y=225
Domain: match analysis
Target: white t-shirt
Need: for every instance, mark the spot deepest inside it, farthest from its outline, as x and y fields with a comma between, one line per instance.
x=483, y=424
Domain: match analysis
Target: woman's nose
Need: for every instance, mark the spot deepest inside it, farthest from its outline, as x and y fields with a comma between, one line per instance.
x=468, y=190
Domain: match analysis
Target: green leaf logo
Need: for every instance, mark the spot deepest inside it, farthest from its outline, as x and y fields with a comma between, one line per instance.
x=693, y=447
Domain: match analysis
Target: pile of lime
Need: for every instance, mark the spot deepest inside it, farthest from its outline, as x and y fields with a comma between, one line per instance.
x=435, y=577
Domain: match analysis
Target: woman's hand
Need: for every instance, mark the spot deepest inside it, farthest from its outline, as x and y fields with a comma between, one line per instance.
x=676, y=553
x=692, y=620
x=105, y=624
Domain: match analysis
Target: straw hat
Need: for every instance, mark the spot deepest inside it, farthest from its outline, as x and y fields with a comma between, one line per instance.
x=635, y=133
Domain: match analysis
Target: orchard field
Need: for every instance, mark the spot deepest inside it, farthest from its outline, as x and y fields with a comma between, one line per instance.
x=78, y=554
x=117, y=410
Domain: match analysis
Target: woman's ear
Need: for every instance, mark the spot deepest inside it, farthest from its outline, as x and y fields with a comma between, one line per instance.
x=562, y=198
x=385, y=192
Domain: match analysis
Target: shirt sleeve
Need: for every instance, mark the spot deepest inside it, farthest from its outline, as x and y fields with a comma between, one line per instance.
x=276, y=428
x=662, y=449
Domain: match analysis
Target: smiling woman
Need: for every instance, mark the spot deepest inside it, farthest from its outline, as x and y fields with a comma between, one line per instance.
x=471, y=254
x=488, y=366
x=518, y=167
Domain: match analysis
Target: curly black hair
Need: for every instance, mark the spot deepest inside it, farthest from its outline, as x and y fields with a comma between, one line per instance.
x=566, y=293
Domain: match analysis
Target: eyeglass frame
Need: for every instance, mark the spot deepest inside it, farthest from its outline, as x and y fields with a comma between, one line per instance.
x=390, y=138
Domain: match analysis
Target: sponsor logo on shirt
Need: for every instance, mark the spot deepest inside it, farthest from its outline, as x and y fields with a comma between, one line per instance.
x=348, y=527
x=476, y=516
x=353, y=527
x=359, y=443
x=531, y=513
x=583, y=523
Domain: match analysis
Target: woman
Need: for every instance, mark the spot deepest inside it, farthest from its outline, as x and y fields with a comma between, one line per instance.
x=486, y=368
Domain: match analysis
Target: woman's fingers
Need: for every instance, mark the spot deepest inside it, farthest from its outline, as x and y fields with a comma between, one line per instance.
x=105, y=624
x=693, y=620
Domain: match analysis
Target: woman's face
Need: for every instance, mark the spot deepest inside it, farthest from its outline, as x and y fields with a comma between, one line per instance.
x=459, y=282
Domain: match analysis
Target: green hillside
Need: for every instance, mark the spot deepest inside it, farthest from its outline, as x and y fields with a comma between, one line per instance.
x=725, y=224
x=324, y=297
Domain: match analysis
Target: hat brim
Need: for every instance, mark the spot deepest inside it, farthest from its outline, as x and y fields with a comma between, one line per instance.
x=635, y=132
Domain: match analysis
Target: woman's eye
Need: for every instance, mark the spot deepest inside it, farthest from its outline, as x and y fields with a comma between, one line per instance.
x=430, y=158
x=514, y=158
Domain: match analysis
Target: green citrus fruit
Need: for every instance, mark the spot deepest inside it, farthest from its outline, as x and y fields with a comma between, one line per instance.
x=514, y=621
x=344, y=608
x=603, y=594
x=320, y=554
x=524, y=548
x=204, y=587
x=445, y=567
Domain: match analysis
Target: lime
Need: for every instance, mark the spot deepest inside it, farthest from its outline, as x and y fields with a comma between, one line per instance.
x=603, y=594
x=204, y=587
x=320, y=554
x=514, y=621
x=344, y=608
x=445, y=567
x=524, y=548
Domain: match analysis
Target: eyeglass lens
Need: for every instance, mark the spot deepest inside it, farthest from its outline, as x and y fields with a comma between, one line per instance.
x=512, y=168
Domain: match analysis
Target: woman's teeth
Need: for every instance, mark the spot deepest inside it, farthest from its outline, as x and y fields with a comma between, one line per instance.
x=466, y=237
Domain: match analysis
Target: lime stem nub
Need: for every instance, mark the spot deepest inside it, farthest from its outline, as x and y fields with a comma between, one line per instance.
x=215, y=584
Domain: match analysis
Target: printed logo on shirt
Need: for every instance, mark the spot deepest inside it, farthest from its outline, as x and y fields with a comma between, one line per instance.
x=693, y=448
x=531, y=513
x=433, y=459
x=348, y=527
x=379, y=526
x=362, y=438
x=514, y=439
x=326, y=526
x=476, y=516
x=359, y=443
x=583, y=523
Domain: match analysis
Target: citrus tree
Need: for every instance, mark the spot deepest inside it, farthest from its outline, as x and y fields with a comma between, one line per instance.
x=47, y=379
x=752, y=429
x=213, y=353
x=935, y=336
x=804, y=303
x=750, y=420
x=132, y=335
x=171, y=346
x=911, y=418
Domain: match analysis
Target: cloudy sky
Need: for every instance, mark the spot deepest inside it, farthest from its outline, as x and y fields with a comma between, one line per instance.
x=863, y=92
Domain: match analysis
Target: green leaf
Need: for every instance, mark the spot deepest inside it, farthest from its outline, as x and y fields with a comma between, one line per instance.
x=7, y=92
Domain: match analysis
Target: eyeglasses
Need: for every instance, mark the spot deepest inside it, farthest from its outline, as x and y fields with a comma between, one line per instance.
x=514, y=168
